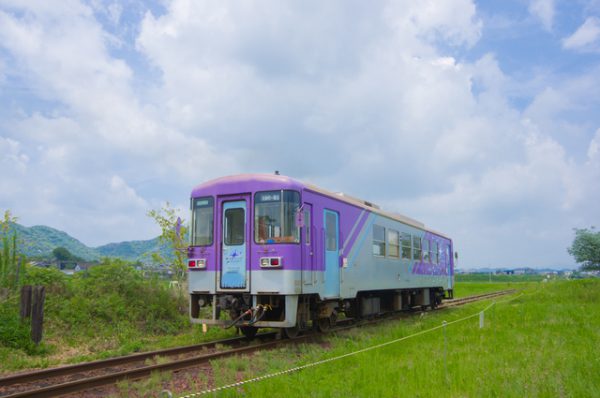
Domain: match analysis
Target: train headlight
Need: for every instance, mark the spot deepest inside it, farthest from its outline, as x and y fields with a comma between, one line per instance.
x=199, y=263
x=270, y=262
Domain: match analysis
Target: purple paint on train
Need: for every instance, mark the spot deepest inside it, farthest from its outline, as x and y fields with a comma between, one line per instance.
x=444, y=266
x=245, y=183
x=348, y=217
x=243, y=187
x=352, y=222
x=356, y=233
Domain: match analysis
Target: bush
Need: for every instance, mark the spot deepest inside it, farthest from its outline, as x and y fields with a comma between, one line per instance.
x=117, y=294
x=54, y=280
x=13, y=332
x=108, y=307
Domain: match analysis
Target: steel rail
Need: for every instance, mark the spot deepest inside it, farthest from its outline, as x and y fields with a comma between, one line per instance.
x=96, y=381
x=122, y=360
x=469, y=299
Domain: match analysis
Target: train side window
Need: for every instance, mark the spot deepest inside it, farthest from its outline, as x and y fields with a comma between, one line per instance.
x=393, y=243
x=307, y=226
x=436, y=246
x=331, y=231
x=378, y=240
x=426, y=251
x=417, y=248
x=406, y=246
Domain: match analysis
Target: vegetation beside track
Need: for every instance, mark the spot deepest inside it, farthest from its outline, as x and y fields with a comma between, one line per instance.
x=542, y=343
x=464, y=289
x=500, y=278
x=110, y=310
x=117, y=312
x=473, y=284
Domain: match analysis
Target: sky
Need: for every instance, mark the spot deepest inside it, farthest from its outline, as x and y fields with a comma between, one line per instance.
x=480, y=119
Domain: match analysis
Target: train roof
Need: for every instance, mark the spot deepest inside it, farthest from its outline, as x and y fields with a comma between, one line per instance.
x=240, y=183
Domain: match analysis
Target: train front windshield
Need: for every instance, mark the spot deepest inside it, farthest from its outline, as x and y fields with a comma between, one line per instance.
x=274, y=217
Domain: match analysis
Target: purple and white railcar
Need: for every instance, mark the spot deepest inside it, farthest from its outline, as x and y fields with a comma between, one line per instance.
x=270, y=251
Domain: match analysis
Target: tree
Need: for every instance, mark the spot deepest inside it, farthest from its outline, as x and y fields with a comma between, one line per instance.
x=586, y=248
x=173, y=234
x=62, y=254
x=11, y=265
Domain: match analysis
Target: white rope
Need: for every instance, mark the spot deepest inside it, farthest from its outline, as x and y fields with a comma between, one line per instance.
x=309, y=365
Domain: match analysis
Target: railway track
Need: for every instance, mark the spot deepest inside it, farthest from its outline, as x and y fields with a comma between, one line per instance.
x=478, y=297
x=72, y=378
x=75, y=378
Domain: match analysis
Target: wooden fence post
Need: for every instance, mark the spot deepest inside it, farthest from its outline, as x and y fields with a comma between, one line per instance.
x=25, y=309
x=37, y=314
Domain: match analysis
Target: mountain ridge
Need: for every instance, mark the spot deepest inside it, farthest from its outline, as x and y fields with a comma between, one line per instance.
x=39, y=240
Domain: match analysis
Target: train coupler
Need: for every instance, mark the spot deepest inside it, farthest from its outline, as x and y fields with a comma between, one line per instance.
x=255, y=314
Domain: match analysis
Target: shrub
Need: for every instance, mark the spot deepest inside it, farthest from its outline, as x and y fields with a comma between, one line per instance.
x=14, y=333
x=116, y=293
x=54, y=280
x=108, y=306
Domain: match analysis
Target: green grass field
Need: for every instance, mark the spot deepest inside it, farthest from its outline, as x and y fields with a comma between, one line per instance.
x=460, y=278
x=544, y=342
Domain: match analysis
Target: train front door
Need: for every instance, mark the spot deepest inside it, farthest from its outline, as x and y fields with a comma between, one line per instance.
x=233, y=270
x=332, y=257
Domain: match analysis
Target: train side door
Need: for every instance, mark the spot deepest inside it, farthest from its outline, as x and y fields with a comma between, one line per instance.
x=308, y=252
x=233, y=270
x=332, y=258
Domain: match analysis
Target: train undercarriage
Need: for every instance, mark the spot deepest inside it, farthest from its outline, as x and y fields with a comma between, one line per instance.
x=297, y=313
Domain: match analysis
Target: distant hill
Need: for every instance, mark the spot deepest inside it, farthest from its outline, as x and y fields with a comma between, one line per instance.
x=40, y=240
x=134, y=250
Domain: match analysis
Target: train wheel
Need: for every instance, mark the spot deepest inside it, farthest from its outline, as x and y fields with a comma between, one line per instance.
x=292, y=333
x=249, y=331
x=323, y=324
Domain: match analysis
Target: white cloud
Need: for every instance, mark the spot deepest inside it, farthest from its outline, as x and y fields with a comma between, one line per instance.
x=12, y=154
x=585, y=37
x=94, y=122
x=544, y=11
x=123, y=193
x=593, y=151
x=455, y=22
x=564, y=109
x=2, y=72
x=375, y=99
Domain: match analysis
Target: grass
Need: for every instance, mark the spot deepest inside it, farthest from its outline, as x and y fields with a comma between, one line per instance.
x=473, y=288
x=109, y=311
x=544, y=343
x=75, y=351
x=144, y=388
x=459, y=278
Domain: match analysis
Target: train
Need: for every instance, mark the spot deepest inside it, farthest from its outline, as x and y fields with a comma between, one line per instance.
x=269, y=251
